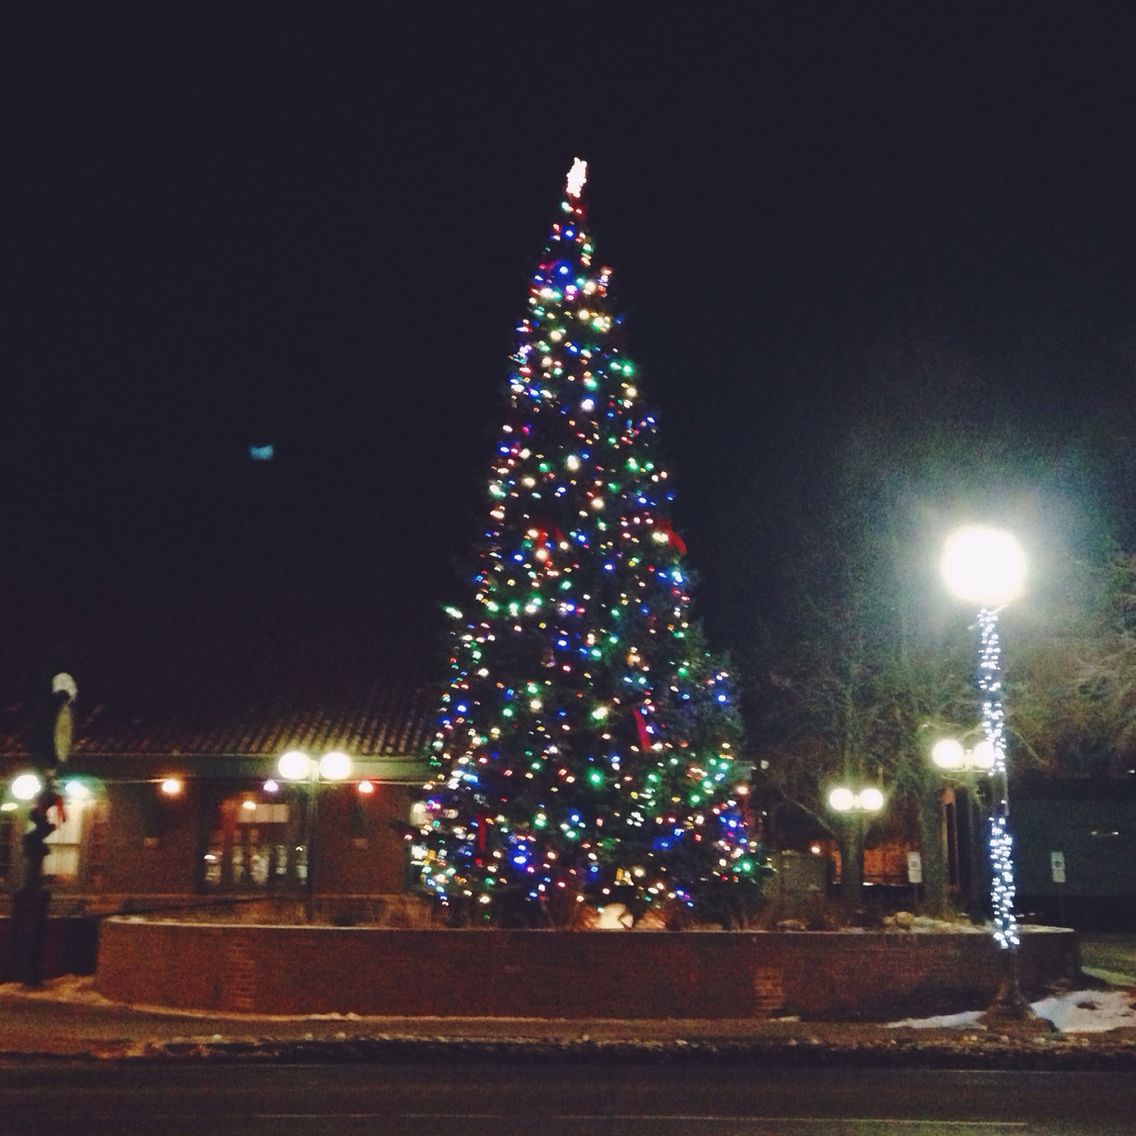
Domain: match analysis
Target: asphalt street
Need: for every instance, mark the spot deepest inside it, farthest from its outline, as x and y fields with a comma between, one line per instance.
x=519, y=1097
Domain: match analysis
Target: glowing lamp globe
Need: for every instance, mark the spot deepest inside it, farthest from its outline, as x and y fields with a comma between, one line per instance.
x=335, y=766
x=948, y=754
x=871, y=800
x=295, y=765
x=26, y=787
x=984, y=566
x=982, y=756
x=841, y=799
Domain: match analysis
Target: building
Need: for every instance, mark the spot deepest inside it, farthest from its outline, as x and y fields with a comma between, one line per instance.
x=186, y=701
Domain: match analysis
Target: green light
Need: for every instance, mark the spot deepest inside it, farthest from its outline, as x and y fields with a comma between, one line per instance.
x=595, y=777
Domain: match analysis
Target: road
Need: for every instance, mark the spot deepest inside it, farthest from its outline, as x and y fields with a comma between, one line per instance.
x=551, y=1098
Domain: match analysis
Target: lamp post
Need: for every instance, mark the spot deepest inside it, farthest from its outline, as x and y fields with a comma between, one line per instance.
x=986, y=567
x=966, y=767
x=297, y=766
x=854, y=806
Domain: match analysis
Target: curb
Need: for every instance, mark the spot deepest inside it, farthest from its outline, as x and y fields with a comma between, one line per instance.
x=997, y=1052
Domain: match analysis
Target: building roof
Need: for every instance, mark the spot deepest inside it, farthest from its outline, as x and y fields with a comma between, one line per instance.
x=223, y=671
x=194, y=684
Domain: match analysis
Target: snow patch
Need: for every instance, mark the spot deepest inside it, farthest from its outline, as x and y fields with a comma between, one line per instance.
x=1080, y=1011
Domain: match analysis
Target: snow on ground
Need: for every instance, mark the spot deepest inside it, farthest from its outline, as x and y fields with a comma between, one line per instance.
x=79, y=990
x=1080, y=1011
x=74, y=988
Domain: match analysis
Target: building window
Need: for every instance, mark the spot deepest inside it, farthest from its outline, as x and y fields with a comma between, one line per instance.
x=252, y=846
x=65, y=844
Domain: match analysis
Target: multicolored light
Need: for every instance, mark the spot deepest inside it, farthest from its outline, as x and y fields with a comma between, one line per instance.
x=587, y=746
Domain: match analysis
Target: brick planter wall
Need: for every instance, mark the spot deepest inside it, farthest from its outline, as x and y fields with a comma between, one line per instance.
x=68, y=947
x=562, y=974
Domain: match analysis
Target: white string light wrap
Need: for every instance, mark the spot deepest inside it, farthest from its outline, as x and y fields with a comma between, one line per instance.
x=1002, y=889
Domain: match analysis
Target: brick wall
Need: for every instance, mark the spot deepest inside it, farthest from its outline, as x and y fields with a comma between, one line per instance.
x=563, y=974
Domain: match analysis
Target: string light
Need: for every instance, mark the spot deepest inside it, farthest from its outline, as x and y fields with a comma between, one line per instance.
x=586, y=745
x=1001, y=845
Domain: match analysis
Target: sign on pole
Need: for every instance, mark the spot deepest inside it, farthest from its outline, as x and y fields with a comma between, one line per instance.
x=1057, y=866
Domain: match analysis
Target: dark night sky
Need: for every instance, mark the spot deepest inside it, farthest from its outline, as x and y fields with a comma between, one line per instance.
x=313, y=226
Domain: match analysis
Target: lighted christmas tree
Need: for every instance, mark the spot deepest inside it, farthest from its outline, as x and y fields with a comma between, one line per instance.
x=588, y=745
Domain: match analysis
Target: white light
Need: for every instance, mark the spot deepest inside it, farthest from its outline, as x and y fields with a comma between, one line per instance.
x=948, y=754
x=271, y=786
x=984, y=566
x=77, y=791
x=248, y=805
x=335, y=766
x=841, y=799
x=871, y=800
x=26, y=786
x=982, y=756
x=8, y=807
x=295, y=765
x=172, y=786
x=577, y=176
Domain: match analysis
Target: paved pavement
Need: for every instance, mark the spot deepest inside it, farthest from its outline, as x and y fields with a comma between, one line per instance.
x=67, y=1020
x=57, y=1024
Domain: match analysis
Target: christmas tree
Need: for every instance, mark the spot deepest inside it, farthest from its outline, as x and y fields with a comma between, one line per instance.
x=588, y=745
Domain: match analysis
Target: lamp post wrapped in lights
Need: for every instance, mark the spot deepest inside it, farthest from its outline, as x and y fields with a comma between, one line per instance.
x=987, y=567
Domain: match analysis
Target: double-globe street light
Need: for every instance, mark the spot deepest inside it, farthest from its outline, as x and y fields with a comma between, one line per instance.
x=297, y=766
x=855, y=807
x=985, y=566
x=965, y=768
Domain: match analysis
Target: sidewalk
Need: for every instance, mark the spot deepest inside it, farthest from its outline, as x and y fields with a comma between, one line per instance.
x=68, y=1021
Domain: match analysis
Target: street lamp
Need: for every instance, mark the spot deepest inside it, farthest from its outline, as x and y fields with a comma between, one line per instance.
x=963, y=768
x=855, y=807
x=295, y=765
x=845, y=800
x=987, y=567
x=950, y=756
